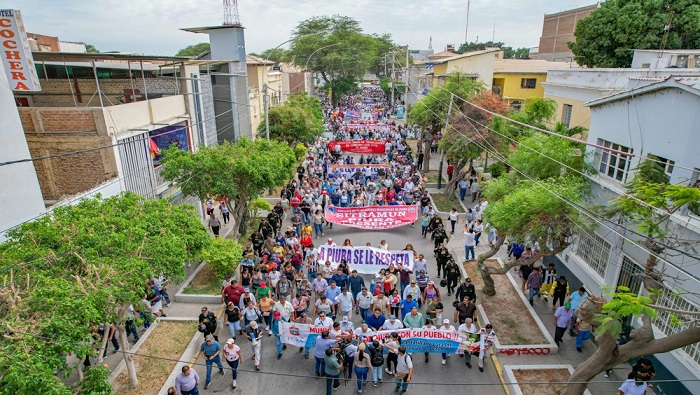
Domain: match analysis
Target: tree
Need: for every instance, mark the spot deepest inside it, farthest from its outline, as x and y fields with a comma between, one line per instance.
x=239, y=171
x=469, y=132
x=532, y=212
x=82, y=266
x=290, y=125
x=609, y=315
x=610, y=34
x=91, y=49
x=430, y=113
x=223, y=255
x=194, y=50
x=334, y=47
x=276, y=55
x=312, y=105
x=478, y=46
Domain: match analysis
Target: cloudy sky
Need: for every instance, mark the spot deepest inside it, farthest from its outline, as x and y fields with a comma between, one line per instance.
x=152, y=26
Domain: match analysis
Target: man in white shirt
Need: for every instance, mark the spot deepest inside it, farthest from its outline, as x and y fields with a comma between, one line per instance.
x=420, y=264
x=364, y=303
x=392, y=324
x=284, y=307
x=413, y=290
x=347, y=327
x=469, y=242
x=363, y=332
x=446, y=327
x=345, y=302
x=408, y=186
x=322, y=320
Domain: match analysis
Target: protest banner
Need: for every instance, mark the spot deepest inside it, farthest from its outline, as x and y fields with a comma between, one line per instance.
x=380, y=126
x=359, y=146
x=415, y=340
x=349, y=170
x=372, y=217
x=367, y=260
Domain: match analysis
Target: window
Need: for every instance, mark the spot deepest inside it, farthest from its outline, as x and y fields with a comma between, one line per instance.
x=666, y=164
x=566, y=115
x=528, y=83
x=592, y=249
x=613, y=164
x=673, y=300
x=646, y=65
x=516, y=105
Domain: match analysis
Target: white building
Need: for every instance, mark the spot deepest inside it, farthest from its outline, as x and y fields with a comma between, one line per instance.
x=658, y=120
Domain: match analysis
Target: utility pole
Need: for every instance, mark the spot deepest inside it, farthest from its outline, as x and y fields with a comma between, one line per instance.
x=265, y=109
x=405, y=94
x=384, y=65
x=442, y=152
x=466, y=28
x=393, y=61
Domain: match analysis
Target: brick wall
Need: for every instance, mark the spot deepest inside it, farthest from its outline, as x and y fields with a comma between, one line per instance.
x=51, y=131
x=57, y=92
x=45, y=43
x=558, y=29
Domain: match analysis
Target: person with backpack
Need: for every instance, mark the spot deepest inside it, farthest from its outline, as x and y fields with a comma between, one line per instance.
x=404, y=371
x=377, y=359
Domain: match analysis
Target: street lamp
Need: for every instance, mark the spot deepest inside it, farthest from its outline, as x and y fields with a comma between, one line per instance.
x=306, y=67
x=265, y=101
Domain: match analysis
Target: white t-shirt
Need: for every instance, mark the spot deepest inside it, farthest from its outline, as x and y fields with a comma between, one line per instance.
x=231, y=354
x=469, y=239
x=467, y=329
x=454, y=216
x=327, y=322
x=365, y=301
x=630, y=388
x=451, y=329
x=392, y=327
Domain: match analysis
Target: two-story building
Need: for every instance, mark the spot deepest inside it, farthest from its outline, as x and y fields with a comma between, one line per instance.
x=657, y=121
x=478, y=65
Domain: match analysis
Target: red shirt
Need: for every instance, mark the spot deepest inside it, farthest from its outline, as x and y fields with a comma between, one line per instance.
x=233, y=293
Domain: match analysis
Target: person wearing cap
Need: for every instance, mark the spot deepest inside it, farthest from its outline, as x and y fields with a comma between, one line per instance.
x=452, y=273
x=207, y=323
x=448, y=328
x=442, y=256
x=275, y=329
x=253, y=332
x=330, y=242
x=404, y=370
x=392, y=324
x=232, y=354
x=210, y=351
x=563, y=317
x=559, y=291
x=466, y=289
x=347, y=327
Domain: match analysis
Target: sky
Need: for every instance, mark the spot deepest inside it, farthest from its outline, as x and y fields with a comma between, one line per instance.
x=152, y=27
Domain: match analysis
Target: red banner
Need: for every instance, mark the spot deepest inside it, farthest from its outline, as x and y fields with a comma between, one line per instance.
x=359, y=146
x=373, y=217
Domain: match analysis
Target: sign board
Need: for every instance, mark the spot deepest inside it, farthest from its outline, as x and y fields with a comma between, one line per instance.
x=367, y=260
x=16, y=54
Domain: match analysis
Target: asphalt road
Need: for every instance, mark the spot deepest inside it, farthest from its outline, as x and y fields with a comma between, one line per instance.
x=294, y=374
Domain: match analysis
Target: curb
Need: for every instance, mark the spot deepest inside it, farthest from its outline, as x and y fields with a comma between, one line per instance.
x=181, y=297
x=499, y=370
x=134, y=348
x=515, y=388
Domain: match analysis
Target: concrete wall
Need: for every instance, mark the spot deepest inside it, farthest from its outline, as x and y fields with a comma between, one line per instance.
x=20, y=194
x=479, y=64
x=511, y=86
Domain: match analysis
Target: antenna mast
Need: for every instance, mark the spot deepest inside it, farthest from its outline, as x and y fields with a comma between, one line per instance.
x=466, y=28
x=231, y=17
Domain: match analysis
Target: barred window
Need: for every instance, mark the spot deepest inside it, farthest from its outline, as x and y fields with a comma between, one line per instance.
x=673, y=300
x=592, y=249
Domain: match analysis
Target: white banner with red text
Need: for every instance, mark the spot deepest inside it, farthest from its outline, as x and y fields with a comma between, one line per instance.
x=372, y=217
x=415, y=340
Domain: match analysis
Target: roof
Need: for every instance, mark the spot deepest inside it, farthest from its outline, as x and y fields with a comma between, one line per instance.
x=526, y=66
x=86, y=57
x=252, y=59
x=672, y=51
x=574, y=10
x=443, y=54
x=466, y=55
x=688, y=84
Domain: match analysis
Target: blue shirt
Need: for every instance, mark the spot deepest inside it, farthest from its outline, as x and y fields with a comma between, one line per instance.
x=340, y=280
x=210, y=349
x=321, y=346
x=332, y=293
x=576, y=299
x=375, y=322
x=406, y=307
x=156, y=292
x=356, y=283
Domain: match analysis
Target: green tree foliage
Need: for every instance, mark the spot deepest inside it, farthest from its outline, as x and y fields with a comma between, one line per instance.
x=539, y=154
x=91, y=48
x=316, y=43
x=312, y=105
x=258, y=204
x=239, y=171
x=194, y=50
x=223, y=255
x=83, y=265
x=608, y=36
x=430, y=113
x=276, y=55
x=300, y=151
x=477, y=46
x=290, y=125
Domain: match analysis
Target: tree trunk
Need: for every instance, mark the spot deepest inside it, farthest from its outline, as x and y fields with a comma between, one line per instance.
x=427, y=137
x=451, y=186
x=609, y=354
x=128, y=358
x=486, y=270
x=103, y=343
x=239, y=211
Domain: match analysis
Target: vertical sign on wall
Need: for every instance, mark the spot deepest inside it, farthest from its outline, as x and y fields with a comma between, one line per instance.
x=16, y=54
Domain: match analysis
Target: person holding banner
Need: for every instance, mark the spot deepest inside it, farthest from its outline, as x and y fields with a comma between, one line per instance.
x=486, y=338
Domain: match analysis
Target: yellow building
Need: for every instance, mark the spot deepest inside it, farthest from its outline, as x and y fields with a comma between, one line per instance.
x=477, y=65
x=261, y=72
x=520, y=80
